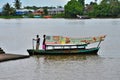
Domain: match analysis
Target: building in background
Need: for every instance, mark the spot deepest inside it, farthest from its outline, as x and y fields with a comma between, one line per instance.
x=38, y=12
x=23, y=11
x=55, y=11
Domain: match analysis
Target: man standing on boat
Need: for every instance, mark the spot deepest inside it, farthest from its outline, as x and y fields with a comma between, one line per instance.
x=44, y=45
x=37, y=42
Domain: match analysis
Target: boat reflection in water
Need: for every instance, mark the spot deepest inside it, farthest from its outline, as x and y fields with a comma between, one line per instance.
x=64, y=57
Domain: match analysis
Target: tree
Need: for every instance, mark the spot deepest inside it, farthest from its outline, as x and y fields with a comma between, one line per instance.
x=17, y=4
x=82, y=2
x=45, y=10
x=113, y=7
x=7, y=10
x=73, y=8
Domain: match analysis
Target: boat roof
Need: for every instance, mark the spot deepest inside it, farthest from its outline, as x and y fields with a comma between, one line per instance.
x=61, y=40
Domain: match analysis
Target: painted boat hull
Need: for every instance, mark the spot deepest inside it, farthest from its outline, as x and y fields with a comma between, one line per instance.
x=64, y=51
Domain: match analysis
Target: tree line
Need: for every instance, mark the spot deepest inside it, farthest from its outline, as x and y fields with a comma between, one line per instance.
x=106, y=8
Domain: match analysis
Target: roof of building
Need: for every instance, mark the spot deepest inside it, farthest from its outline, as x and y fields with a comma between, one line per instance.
x=56, y=9
x=24, y=10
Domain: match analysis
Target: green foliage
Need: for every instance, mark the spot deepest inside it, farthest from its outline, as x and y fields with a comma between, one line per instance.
x=7, y=10
x=107, y=8
x=17, y=4
x=31, y=7
x=73, y=8
x=82, y=2
x=45, y=11
x=61, y=15
x=8, y=17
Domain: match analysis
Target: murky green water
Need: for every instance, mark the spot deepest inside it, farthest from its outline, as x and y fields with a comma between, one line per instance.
x=16, y=37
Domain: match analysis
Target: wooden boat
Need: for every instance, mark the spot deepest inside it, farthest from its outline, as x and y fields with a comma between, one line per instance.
x=64, y=51
x=37, y=16
x=53, y=46
x=47, y=16
x=83, y=17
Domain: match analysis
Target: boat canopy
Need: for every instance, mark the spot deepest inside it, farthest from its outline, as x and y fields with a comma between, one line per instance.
x=75, y=41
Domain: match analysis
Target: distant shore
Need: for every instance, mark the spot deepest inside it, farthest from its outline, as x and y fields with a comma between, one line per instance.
x=10, y=17
x=7, y=17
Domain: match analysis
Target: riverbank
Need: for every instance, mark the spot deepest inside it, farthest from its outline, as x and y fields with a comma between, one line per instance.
x=17, y=17
x=7, y=17
x=7, y=57
x=13, y=17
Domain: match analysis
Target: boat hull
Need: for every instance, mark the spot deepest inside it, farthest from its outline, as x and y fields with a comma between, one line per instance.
x=64, y=51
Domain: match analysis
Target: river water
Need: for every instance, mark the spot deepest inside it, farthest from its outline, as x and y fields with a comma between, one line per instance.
x=16, y=37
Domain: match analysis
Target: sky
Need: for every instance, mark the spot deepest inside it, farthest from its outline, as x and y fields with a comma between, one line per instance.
x=39, y=3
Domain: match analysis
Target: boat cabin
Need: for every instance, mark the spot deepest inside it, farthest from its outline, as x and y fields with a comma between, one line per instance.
x=66, y=46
